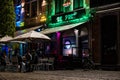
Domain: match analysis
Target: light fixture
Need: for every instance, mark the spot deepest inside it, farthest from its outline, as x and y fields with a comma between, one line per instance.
x=44, y=3
x=23, y=4
x=67, y=44
x=43, y=18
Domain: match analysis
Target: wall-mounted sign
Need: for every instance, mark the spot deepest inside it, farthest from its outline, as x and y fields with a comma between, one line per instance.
x=67, y=44
x=68, y=16
x=19, y=11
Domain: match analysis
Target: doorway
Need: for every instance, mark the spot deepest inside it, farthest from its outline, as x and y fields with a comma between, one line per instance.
x=83, y=42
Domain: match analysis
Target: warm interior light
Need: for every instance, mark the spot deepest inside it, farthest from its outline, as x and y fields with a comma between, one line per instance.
x=43, y=18
x=67, y=3
x=44, y=3
x=22, y=4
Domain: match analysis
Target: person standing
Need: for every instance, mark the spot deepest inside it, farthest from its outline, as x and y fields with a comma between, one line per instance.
x=34, y=59
x=19, y=62
x=28, y=61
x=3, y=61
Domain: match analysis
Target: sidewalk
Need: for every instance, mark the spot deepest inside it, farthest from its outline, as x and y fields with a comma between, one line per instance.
x=62, y=75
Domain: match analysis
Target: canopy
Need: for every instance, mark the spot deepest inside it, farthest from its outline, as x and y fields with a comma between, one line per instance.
x=6, y=38
x=19, y=32
x=31, y=36
x=60, y=28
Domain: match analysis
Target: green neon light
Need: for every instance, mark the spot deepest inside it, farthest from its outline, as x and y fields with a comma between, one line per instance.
x=84, y=18
x=69, y=18
x=81, y=3
x=52, y=11
x=59, y=19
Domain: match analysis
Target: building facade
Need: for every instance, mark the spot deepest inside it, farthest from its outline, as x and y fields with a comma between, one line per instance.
x=99, y=33
x=68, y=27
x=29, y=13
x=77, y=27
x=105, y=34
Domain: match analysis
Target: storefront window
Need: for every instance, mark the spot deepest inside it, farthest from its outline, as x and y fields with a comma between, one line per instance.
x=68, y=44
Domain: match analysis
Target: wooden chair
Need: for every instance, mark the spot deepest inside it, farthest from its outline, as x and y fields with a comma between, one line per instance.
x=40, y=65
x=50, y=64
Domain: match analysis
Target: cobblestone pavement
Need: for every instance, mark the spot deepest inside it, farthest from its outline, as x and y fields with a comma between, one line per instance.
x=62, y=75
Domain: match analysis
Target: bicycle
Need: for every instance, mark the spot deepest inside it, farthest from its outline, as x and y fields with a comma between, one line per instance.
x=88, y=63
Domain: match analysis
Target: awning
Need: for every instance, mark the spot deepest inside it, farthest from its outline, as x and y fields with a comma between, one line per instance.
x=19, y=32
x=61, y=28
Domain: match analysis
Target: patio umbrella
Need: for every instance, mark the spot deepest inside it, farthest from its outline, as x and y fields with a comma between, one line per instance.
x=5, y=39
x=2, y=44
x=31, y=36
x=18, y=42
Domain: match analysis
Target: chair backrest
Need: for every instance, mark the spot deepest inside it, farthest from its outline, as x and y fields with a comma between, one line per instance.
x=51, y=60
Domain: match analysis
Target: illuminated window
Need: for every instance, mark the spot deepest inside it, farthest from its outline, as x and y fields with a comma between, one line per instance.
x=67, y=3
x=68, y=44
x=33, y=11
x=19, y=12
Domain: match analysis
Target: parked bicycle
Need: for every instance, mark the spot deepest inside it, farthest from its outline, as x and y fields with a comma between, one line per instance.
x=87, y=62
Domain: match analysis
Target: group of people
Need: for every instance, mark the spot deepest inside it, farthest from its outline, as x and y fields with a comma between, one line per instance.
x=24, y=62
x=27, y=60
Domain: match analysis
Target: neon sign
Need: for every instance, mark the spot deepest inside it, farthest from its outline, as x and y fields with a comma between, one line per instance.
x=19, y=11
x=68, y=16
x=67, y=44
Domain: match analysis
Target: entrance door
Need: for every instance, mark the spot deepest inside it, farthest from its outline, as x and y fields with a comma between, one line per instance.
x=83, y=42
x=109, y=39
